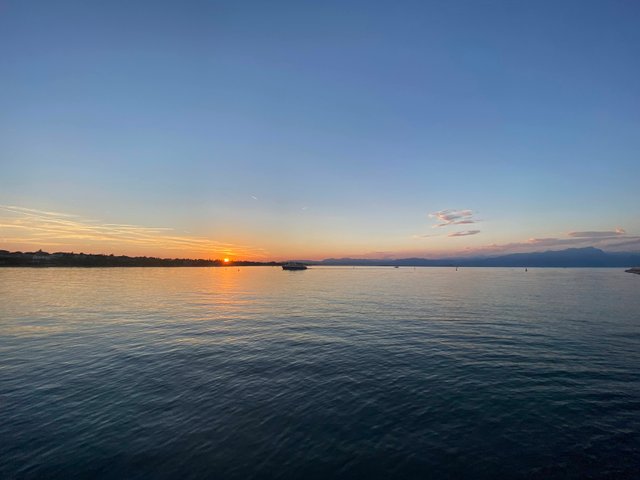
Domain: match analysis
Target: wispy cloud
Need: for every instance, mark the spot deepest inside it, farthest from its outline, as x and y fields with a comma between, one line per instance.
x=599, y=234
x=630, y=242
x=464, y=233
x=425, y=235
x=612, y=240
x=45, y=228
x=453, y=217
x=36, y=212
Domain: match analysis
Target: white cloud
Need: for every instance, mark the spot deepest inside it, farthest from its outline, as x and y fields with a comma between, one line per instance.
x=453, y=217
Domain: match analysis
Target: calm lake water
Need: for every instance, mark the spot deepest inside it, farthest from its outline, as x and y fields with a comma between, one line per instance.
x=325, y=373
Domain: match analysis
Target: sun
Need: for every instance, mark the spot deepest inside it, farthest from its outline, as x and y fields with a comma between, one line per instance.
x=226, y=260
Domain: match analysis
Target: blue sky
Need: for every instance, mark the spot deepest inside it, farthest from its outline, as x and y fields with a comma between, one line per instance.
x=313, y=129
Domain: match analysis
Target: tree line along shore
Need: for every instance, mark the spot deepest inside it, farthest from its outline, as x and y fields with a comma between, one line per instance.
x=71, y=259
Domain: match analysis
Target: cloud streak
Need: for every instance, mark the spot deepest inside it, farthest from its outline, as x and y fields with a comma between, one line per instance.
x=425, y=235
x=606, y=234
x=464, y=233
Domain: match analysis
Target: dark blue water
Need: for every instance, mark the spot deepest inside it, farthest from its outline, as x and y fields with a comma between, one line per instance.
x=326, y=373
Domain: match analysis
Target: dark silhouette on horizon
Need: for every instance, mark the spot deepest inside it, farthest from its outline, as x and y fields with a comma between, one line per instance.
x=70, y=259
x=571, y=257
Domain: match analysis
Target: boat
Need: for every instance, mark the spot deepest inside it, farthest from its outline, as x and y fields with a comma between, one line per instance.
x=294, y=266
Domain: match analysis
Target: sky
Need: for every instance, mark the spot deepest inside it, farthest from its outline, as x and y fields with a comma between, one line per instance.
x=305, y=129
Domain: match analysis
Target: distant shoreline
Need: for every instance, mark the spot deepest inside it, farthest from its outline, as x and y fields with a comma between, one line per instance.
x=588, y=257
x=42, y=259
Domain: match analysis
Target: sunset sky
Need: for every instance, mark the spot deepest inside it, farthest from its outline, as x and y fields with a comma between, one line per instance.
x=314, y=129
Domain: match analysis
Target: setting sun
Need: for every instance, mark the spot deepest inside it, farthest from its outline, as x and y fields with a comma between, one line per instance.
x=226, y=260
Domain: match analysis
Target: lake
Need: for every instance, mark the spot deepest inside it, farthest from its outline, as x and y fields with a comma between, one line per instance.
x=332, y=372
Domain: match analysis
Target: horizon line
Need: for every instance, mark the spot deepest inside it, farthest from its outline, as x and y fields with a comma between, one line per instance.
x=228, y=259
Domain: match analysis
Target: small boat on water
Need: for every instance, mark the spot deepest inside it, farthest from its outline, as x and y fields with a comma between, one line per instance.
x=294, y=266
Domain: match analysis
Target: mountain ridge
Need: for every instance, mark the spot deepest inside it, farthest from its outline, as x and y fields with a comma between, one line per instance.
x=570, y=257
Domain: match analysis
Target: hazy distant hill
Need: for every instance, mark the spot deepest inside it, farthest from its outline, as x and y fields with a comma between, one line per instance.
x=571, y=257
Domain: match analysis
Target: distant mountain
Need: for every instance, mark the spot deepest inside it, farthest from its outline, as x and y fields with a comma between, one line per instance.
x=570, y=257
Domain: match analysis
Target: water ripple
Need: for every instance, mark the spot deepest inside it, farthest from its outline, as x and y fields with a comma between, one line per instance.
x=339, y=373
